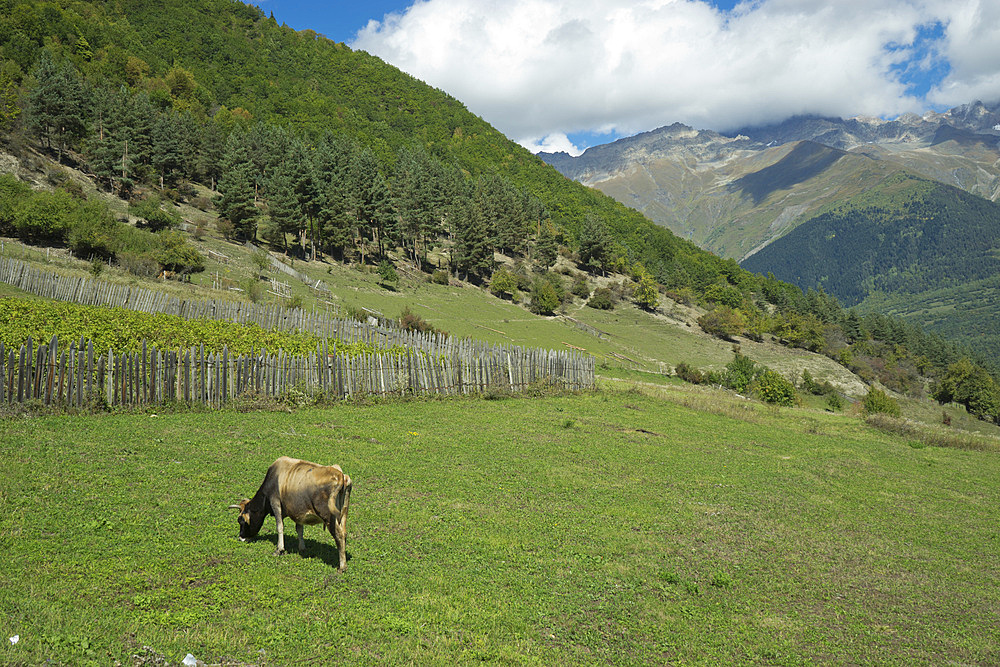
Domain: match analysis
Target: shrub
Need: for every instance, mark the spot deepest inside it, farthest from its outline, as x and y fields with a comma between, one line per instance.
x=253, y=288
x=94, y=232
x=138, y=264
x=153, y=216
x=878, y=402
x=689, y=373
x=503, y=283
x=440, y=277
x=602, y=299
x=44, y=216
x=226, y=228
x=581, y=288
x=387, y=276
x=723, y=322
x=74, y=190
x=12, y=191
x=772, y=387
x=724, y=294
x=544, y=298
x=176, y=254
x=645, y=293
x=261, y=261
x=410, y=321
x=835, y=402
x=740, y=373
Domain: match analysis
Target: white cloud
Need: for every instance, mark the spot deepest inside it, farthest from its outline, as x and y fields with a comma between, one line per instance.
x=556, y=142
x=541, y=69
x=972, y=47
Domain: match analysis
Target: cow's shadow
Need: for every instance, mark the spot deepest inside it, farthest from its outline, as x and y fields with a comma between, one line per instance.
x=325, y=551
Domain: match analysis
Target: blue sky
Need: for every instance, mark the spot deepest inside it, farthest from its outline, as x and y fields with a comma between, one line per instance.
x=567, y=74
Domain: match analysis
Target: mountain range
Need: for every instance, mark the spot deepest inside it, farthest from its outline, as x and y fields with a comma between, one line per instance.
x=887, y=215
x=733, y=193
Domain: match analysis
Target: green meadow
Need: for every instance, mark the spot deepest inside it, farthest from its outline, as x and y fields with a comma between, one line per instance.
x=632, y=525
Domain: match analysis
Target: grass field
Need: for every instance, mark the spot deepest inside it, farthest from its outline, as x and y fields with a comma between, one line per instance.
x=669, y=525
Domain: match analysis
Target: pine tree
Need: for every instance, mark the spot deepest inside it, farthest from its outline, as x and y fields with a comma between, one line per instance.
x=595, y=244
x=57, y=104
x=374, y=206
x=283, y=208
x=167, y=153
x=237, y=191
x=336, y=195
x=546, y=247
x=208, y=160
x=418, y=188
x=473, y=250
x=301, y=167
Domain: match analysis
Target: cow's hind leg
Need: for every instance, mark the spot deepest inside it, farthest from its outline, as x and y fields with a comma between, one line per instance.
x=339, y=531
x=302, y=542
x=280, y=525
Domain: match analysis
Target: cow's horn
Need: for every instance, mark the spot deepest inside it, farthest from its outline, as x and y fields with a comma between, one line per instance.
x=235, y=507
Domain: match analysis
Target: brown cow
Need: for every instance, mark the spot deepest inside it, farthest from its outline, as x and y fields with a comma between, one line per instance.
x=306, y=493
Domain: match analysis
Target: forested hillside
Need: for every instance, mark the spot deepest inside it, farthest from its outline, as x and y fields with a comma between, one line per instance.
x=919, y=249
x=156, y=91
x=288, y=139
x=907, y=235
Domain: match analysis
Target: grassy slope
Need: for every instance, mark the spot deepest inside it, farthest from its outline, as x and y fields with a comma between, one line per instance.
x=655, y=343
x=529, y=531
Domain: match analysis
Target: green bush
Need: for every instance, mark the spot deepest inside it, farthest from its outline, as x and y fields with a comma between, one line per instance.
x=12, y=192
x=645, y=293
x=581, y=288
x=723, y=322
x=878, y=402
x=689, y=373
x=602, y=299
x=44, y=217
x=387, y=275
x=177, y=255
x=544, y=298
x=772, y=387
x=503, y=283
x=440, y=277
x=152, y=215
x=724, y=294
x=740, y=373
x=93, y=232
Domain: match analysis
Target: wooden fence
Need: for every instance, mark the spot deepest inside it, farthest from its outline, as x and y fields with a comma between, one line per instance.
x=93, y=292
x=54, y=374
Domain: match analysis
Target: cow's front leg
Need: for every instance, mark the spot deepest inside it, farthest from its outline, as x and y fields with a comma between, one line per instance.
x=278, y=519
x=302, y=542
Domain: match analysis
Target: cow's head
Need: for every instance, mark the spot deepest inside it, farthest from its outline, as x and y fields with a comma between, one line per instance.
x=250, y=522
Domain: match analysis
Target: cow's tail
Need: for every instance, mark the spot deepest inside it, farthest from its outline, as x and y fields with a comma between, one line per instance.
x=344, y=497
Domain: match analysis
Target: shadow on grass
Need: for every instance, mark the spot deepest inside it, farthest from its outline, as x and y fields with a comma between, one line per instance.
x=325, y=551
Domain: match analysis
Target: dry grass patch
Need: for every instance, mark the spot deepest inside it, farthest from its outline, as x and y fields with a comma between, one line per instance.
x=931, y=436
